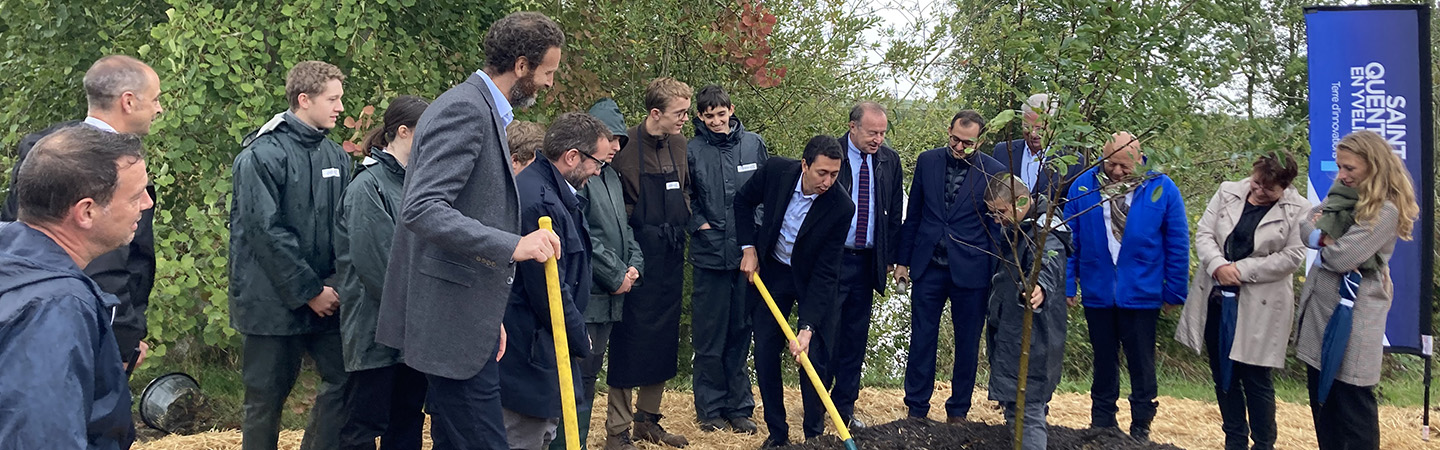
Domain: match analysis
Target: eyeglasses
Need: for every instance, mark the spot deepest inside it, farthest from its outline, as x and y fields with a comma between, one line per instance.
x=601, y=164
x=964, y=143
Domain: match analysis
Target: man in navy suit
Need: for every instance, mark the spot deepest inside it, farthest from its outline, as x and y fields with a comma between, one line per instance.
x=947, y=242
x=1031, y=159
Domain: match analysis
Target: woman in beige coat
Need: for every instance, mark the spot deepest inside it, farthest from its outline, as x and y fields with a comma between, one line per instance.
x=1385, y=210
x=1249, y=241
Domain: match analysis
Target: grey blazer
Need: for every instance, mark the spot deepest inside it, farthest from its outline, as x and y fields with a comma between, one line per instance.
x=450, y=270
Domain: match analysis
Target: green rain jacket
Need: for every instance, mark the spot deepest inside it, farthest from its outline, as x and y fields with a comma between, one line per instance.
x=287, y=185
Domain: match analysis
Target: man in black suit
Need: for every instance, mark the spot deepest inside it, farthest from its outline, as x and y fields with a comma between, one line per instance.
x=458, y=235
x=797, y=251
x=1029, y=157
x=870, y=172
x=122, y=95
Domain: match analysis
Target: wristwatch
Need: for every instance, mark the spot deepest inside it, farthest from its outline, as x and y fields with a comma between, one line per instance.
x=807, y=327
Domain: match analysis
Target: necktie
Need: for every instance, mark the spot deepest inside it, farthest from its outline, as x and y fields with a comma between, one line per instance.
x=862, y=206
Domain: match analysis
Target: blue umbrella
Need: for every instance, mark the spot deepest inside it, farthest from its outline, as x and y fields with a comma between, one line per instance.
x=1337, y=333
x=1228, y=305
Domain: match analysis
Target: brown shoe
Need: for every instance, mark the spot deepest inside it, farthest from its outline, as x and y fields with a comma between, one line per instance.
x=647, y=428
x=619, y=442
x=955, y=420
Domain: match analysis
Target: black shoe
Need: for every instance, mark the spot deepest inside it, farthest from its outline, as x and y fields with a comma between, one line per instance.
x=1141, y=434
x=713, y=425
x=774, y=442
x=743, y=425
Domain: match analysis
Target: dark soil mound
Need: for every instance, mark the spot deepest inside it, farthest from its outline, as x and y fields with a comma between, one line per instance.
x=921, y=434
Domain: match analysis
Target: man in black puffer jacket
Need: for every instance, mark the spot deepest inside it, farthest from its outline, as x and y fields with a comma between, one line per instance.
x=288, y=182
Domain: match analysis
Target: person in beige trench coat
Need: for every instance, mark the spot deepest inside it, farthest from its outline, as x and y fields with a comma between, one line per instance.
x=1266, y=300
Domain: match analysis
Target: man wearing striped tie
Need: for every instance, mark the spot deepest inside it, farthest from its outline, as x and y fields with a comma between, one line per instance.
x=870, y=172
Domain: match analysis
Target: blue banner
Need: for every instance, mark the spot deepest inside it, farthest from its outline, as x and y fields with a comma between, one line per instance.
x=1370, y=70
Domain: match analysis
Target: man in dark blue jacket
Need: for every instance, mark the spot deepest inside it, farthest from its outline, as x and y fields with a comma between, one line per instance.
x=947, y=242
x=574, y=150
x=1132, y=254
x=81, y=193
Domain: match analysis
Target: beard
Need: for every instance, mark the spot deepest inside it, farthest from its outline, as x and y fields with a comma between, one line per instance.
x=577, y=177
x=522, y=94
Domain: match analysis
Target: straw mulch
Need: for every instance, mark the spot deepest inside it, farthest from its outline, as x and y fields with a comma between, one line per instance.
x=1185, y=423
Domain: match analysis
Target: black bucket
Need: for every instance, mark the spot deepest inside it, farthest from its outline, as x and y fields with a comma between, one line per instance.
x=167, y=403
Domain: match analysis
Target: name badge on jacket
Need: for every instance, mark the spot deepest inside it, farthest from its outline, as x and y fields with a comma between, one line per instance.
x=745, y=168
x=673, y=185
x=330, y=173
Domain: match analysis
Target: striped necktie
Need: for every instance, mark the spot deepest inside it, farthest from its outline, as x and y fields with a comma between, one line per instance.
x=862, y=205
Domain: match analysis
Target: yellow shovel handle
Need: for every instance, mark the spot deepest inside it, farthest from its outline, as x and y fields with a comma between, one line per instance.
x=562, y=347
x=804, y=358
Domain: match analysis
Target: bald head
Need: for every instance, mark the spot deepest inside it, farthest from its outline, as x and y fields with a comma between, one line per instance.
x=124, y=92
x=1121, y=155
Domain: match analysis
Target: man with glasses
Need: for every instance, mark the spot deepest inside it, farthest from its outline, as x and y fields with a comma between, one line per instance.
x=947, y=241
x=1031, y=158
x=645, y=345
x=574, y=148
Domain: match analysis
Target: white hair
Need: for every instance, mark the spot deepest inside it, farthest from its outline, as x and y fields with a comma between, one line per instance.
x=1041, y=104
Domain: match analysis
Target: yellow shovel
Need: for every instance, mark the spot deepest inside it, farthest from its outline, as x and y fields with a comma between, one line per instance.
x=562, y=347
x=805, y=362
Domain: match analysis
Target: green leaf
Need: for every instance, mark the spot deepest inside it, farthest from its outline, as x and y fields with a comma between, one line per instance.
x=1155, y=194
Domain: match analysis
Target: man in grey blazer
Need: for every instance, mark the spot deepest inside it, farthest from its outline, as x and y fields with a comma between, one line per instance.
x=457, y=242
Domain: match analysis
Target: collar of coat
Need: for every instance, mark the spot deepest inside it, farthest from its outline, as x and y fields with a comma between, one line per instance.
x=286, y=121
x=552, y=176
x=29, y=256
x=716, y=139
x=384, y=159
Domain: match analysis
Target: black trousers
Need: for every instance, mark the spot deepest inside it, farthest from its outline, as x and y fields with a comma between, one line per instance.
x=269, y=368
x=1350, y=417
x=466, y=414
x=967, y=317
x=1113, y=330
x=720, y=334
x=1251, y=390
x=771, y=348
x=384, y=402
x=852, y=333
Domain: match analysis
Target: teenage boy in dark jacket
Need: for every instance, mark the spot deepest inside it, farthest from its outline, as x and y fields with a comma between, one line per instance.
x=288, y=183
x=722, y=157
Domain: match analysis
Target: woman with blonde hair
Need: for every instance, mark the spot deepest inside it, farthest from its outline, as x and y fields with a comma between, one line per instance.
x=1371, y=205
